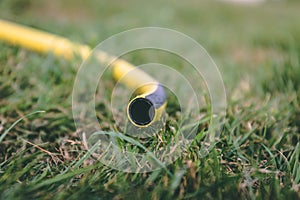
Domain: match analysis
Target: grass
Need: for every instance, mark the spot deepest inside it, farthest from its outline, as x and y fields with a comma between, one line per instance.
x=257, y=49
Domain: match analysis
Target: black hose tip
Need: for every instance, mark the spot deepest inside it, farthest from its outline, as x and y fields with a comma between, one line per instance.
x=141, y=111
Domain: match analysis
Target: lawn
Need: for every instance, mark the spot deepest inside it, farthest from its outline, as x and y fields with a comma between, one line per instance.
x=257, y=50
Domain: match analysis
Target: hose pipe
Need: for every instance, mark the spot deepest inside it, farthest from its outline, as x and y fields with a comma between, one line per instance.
x=150, y=100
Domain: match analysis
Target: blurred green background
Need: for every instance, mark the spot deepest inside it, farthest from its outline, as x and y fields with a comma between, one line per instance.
x=249, y=35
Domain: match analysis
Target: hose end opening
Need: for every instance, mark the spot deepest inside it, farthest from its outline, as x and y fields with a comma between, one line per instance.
x=141, y=111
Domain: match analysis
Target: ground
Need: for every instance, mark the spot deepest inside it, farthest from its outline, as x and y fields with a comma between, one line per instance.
x=257, y=50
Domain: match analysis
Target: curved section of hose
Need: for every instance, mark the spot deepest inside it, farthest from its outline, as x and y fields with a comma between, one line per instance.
x=142, y=110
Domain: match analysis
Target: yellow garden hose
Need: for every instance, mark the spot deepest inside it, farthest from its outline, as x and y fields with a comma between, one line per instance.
x=142, y=110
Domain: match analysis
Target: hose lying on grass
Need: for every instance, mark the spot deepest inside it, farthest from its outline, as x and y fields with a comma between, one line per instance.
x=142, y=110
